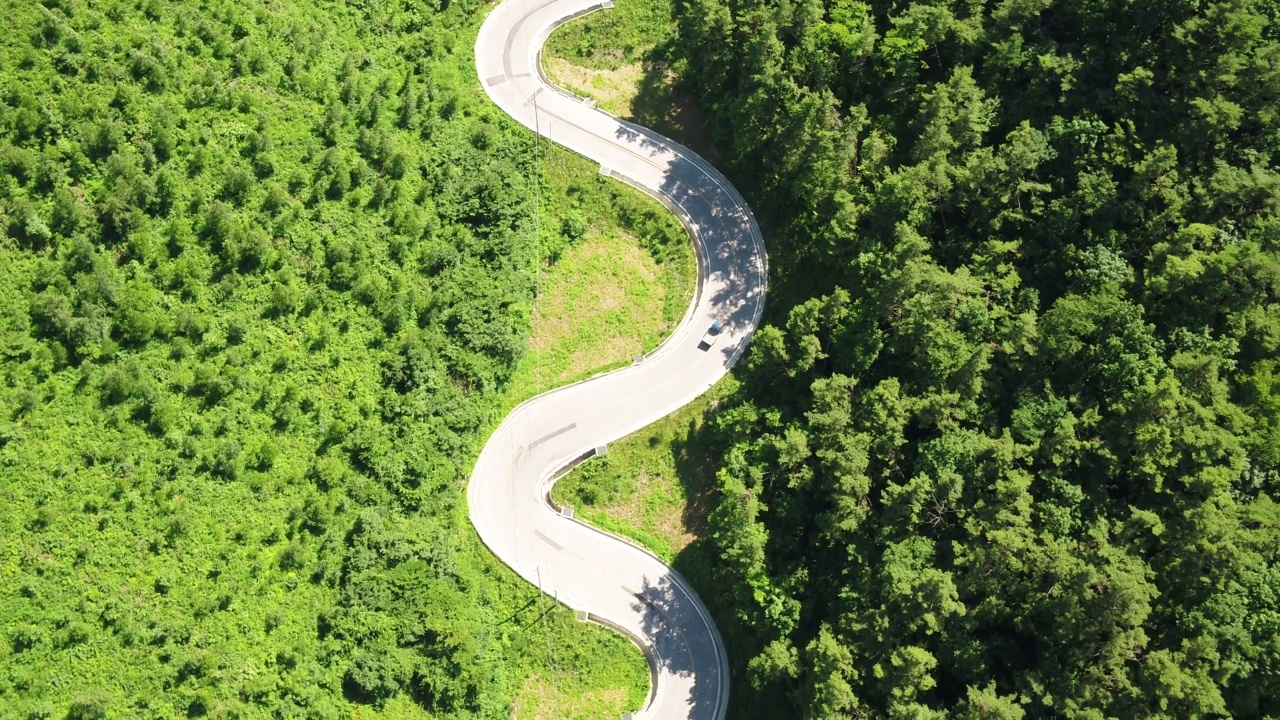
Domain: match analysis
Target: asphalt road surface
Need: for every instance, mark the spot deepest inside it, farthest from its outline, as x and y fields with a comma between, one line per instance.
x=617, y=583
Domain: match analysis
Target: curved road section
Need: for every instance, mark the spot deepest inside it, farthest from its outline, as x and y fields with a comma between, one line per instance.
x=616, y=583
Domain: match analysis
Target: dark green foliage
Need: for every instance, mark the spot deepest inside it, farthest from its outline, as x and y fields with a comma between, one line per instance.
x=1008, y=442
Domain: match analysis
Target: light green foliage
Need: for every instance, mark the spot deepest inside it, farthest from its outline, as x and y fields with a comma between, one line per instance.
x=268, y=269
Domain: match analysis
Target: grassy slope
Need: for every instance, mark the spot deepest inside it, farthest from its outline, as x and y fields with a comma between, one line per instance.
x=654, y=486
x=615, y=293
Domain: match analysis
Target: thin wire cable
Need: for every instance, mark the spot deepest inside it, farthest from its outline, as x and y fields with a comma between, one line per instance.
x=546, y=633
x=537, y=235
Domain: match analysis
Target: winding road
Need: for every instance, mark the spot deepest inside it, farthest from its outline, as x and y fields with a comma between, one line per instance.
x=616, y=583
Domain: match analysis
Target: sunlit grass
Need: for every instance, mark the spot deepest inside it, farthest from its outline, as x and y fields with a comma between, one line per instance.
x=653, y=486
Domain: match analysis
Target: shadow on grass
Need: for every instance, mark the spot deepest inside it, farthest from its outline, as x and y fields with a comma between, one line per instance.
x=663, y=105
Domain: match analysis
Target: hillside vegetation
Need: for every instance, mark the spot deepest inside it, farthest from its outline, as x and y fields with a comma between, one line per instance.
x=1009, y=442
x=269, y=268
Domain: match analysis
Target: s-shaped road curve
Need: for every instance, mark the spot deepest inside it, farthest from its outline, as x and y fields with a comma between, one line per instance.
x=617, y=583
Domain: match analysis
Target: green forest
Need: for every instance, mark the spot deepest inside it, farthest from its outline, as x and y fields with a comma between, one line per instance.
x=1009, y=444
x=268, y=280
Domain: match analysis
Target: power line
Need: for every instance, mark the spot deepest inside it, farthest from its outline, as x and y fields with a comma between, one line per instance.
x=537, y=199
x=537, y=236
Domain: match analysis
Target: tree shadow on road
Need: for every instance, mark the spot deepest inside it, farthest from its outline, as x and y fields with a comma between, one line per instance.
x=723, y=593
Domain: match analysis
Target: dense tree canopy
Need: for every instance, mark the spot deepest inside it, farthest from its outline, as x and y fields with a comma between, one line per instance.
x=1009, y=443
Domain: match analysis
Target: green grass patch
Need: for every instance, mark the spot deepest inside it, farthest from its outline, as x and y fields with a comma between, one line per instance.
x=622, y=58
x=630, y=32
x=617, y=275
x=582, y=670
x=654, y=486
